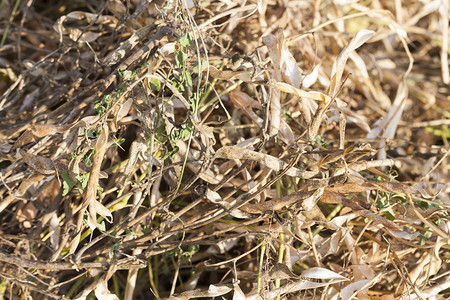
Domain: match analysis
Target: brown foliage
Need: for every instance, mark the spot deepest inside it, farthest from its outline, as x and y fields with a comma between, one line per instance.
x=259, y=149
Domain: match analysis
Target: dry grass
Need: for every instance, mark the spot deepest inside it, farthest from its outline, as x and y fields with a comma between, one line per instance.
x=254, y=150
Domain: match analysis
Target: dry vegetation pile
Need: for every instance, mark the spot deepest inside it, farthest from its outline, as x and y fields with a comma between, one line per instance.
x=245, y=149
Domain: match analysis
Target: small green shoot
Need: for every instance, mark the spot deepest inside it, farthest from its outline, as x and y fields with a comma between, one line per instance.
x=68, y=183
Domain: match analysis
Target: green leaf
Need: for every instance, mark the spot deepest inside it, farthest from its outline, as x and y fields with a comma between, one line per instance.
x=180, y=59
x=182, y=133
x=92, y=134
x=197, y=69
x=187, y=78
x=185, y=132
x=185, y=40
x=68, y=183
x=114, y=249
x=390, y=214
x=100, y=109
x=126, y=74
x=83, y=179
x=101, y=226
x=177, y=83
x=87, y=159
x=99, y=191
x=155, y=84
x=119, y=141
x=195, y=99
x=171, y=153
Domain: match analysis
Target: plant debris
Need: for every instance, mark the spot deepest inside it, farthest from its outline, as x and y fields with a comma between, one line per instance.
x=237, y=149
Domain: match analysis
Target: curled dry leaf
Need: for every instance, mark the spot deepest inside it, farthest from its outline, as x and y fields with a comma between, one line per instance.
x=299, y=285
x=281, y=271
x=48, y=83
x=276, y=164
x=90, y=201
x=331, y=244
x=339, y=64
x=287, y=88
x=123, y=111
x=213, y=291
x=56, y=229
x=79, y=36
x=286, y=134
x=116, y=7
x=40, y=164
x=387, y=125
x=246, y=103
x=90, y=17
x=322, y=273
x=275, y=107
x=238, y=294
x=34, y=133
x=118, y=54
x=311, y=78
x=285, y=67
x=355, y=288
x=216, y=199
x=245, y=76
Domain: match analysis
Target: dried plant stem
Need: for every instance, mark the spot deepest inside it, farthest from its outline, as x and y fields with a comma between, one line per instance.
x=444, y=49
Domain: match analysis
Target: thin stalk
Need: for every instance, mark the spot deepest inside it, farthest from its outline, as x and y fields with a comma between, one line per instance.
x=280, y=260
x=260, y=266
x=116, y=284
x=333, y=214
x=152, y=279
x=335, y=211
x=226, y=91
x=11, y=18
x=75, y=287
x=210, y=87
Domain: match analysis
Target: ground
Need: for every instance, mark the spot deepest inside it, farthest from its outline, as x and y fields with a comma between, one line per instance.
x=228, y=149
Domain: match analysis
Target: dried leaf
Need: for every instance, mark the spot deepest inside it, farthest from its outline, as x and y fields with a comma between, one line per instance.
x=116, y=7
x=297, y=286
x=238, y=294
x=405, y=235
x=387, y=125
x=246, y=103
x=353, y=288
x=274, y=49
x=40, y=164
x=79, y=36
x=311, y=78
x=322, y=273
x=332, y=244
x=81, y=15
x=102, y=292
x=245, y=76
x=286, y=134
x=281, y=271
x=339, y=64
x=91, y=189
x=276, y=164
x=26, y=214
x=213, y=291
x=123, y=111
x=118, y=54
x=33, y=133
x=284, y=87
x=212, y=196
x=54, y=226
x=97, y=208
